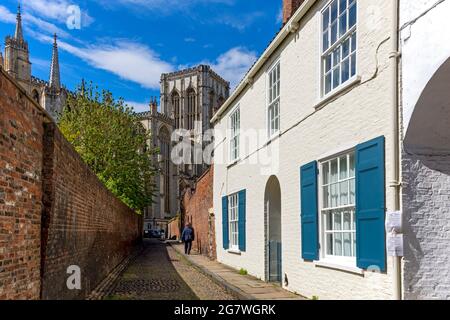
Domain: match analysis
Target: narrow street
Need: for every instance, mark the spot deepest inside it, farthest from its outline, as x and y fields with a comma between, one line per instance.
x=160, y=273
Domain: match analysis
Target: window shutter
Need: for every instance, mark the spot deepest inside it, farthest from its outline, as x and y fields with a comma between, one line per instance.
x=225, y=225
x=370, y=205
x=309, y=212
x=242, y=220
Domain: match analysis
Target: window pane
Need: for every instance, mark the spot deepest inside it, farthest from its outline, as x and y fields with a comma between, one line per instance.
x=329, y=225
x=344, y=193
x=354, y=42
x=343, y=171
x=347, y=220
x=342, y=5
x=334, y=171
x=328, y=63
x=352, y=165
x=328, y=83
x=334, y=195
x=326, y=173
x=325, y=19
x=345, y=70
x=334, y=10
x=342, y=24
x=352, y=192
x=347, y=244
x=352, y=15
x=338, y=244
x=330, y=244
x=353, y=66
x=336, y=77
x=336, y=57
x=326, y=197
x=325, y=43
x=346, y=48
x=334, y=33
x=337, y=221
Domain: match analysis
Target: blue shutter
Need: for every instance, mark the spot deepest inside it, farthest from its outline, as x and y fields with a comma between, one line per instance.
x=242, y=220
x=309, y=212
x=225, y=225
x=370, y=205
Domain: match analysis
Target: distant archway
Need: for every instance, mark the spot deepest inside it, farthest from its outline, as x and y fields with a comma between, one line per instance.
x=272, y=208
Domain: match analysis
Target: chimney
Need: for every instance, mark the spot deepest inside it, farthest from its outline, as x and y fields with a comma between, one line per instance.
x=289, y=8
x=154, y=106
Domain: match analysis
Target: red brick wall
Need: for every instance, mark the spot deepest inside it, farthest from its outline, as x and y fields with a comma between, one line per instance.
x=197, y=204
x=85, y=225
x=21, y=134
x=54, y=212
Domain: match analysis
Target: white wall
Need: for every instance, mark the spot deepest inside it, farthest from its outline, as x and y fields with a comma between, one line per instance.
x=425, y=47
x=426, y=177
x=357, y=116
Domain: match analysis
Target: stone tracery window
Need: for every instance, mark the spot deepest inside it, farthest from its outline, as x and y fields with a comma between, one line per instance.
x=177, y=110
x=164, y=140
x=192, y=114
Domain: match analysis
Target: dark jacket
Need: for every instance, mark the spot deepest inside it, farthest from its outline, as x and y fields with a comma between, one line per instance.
x=188, y=234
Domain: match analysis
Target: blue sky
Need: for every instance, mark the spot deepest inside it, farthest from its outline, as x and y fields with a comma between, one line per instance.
x=124, y=45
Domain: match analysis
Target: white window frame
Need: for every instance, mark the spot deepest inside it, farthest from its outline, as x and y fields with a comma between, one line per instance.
x=233, y=221
x=235, y=120
x=324, y=256
x=351, y=35
x=273, y=100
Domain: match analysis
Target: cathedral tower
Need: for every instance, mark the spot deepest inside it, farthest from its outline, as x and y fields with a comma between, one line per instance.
x=17, y=56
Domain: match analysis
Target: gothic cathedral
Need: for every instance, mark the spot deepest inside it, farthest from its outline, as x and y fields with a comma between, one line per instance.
x=16, y=62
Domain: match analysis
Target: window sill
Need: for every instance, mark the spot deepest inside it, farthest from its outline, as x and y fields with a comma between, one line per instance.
x=340, y=267
x=235, y=252
x=338, y=91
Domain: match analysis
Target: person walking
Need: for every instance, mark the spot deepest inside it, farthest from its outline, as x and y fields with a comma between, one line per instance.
x=187, y=237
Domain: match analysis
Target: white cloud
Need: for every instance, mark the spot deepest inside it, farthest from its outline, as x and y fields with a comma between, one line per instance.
x=7, y=16
x=239, y=22
x=189, y=40
x=129, y=60
x=234, y=64
x=55, y=10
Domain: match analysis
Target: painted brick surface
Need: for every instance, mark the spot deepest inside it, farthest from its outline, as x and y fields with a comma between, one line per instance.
x=54, y=212
x=426, y=203
x=197, y=205
x=355, y=116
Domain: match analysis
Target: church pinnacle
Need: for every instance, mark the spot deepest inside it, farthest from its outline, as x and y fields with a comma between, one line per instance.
x=55, y=81
x=19, y=33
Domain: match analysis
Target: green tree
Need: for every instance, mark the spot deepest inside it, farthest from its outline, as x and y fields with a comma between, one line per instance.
x=109, y=138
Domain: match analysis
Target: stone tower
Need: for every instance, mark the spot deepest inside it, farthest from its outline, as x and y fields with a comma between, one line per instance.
x=189, y=98
x=50, y=95
x=17, y=56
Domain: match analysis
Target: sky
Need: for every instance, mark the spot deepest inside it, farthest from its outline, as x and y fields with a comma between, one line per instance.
x=125, y=45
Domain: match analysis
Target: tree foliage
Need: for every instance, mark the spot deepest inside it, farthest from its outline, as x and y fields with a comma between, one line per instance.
x=109, y=138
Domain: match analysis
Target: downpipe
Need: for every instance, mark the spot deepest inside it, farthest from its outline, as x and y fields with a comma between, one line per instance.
x=395, y=184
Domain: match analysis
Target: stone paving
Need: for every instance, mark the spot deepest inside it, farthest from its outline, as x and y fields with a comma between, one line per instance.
x=246, y=287
x=160, y=273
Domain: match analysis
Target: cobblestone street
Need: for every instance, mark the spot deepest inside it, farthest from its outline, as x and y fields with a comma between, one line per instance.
x=160, y=273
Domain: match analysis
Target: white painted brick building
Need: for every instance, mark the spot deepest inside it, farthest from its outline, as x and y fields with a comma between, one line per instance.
x=426, y=149
x=315, y=126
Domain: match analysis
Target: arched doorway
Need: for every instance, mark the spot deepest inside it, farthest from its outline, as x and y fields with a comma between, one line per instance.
x=272, y=208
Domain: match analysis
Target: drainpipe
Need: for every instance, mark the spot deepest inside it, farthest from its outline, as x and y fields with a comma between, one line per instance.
x=395, y=169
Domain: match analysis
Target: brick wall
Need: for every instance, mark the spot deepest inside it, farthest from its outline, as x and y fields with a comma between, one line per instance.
x=21, y=134
x=54, y=212
x=198, y=204
x=426, y=203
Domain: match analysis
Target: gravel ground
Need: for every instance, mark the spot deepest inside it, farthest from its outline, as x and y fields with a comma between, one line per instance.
x=203, y=286
x=160, y=273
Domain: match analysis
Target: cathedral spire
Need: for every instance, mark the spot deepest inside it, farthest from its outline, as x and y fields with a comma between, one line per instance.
x=55, y=82
x=19, y=33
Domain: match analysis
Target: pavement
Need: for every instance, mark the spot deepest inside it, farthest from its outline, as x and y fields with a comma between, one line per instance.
x=158, y=272
x=245, y=287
